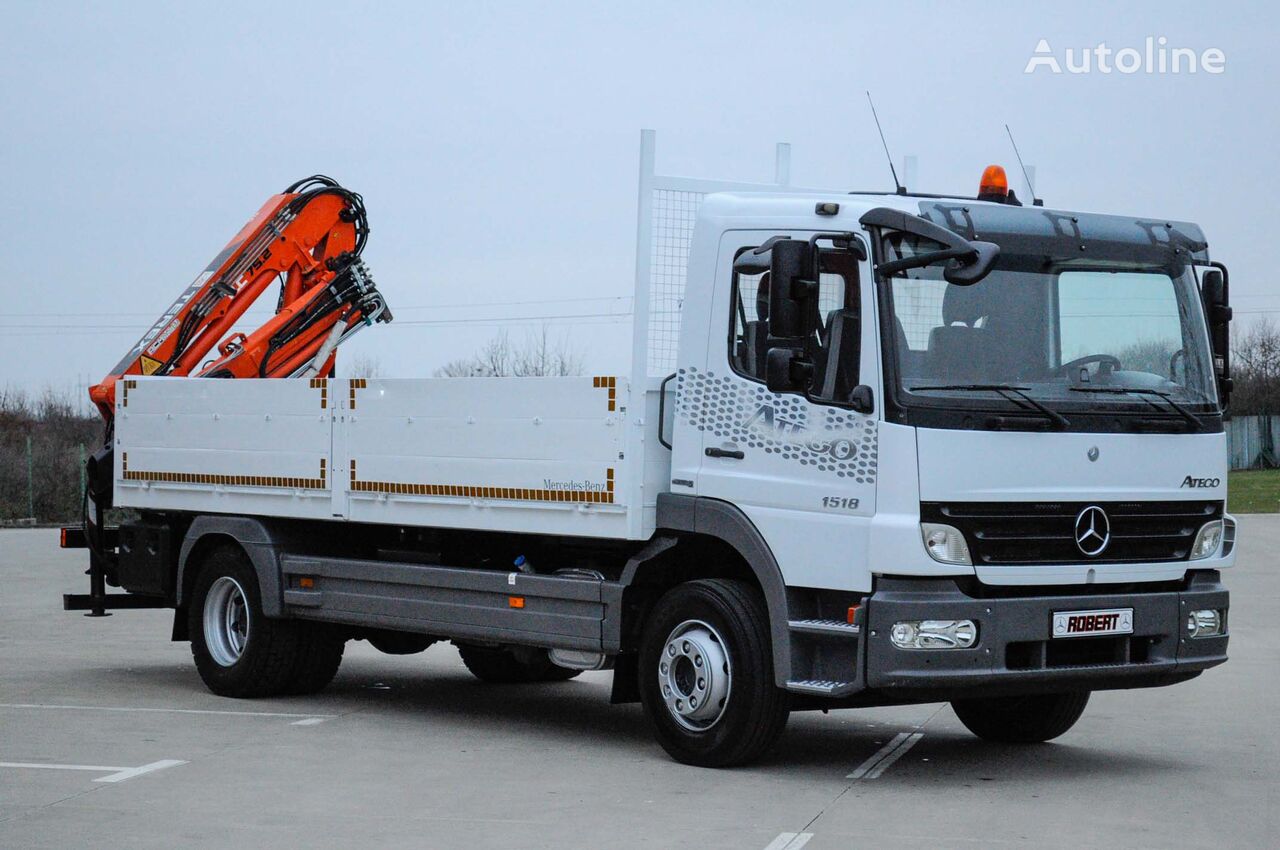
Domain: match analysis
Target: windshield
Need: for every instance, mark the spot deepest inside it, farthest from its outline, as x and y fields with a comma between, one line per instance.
x=1095, y=335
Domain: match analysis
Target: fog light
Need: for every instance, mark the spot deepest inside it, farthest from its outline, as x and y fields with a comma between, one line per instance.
x=1207, y=622
x=1207, y=540
x=934, y=634
x=945, y=544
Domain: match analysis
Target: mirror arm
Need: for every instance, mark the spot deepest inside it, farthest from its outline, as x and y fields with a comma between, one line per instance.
x=920, y=260
x=891, y=219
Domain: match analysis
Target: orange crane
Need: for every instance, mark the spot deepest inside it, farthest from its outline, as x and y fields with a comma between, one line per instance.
x=309, y=238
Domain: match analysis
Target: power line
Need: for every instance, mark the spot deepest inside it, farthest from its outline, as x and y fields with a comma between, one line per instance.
x=584, y=319
x=402, y=323
x=397, y=307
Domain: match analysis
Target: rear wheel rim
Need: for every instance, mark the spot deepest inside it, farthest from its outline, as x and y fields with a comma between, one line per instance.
x=695, y=675
x=226, y=621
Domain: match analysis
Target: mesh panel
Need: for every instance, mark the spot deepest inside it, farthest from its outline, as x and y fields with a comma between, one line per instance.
x=674, y=213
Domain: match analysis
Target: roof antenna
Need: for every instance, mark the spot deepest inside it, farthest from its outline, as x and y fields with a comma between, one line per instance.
x=901, y=190
x=1035, y=202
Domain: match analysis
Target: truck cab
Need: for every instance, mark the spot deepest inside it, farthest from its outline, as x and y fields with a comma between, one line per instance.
x=1020, y=477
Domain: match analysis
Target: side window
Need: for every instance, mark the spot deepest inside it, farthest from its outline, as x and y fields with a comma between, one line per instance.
x=833, y=348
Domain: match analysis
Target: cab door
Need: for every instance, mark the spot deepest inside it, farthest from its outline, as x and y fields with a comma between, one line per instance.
x=801, y=465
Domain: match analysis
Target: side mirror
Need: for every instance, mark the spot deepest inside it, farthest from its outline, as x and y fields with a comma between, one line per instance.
x=968, y=270
x=862, y=399
x=787, y=371
x=793, y=286
x=1215, y=296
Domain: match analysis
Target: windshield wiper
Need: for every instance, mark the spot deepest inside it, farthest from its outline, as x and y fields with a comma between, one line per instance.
x=1144, y=392
x=1008, y=391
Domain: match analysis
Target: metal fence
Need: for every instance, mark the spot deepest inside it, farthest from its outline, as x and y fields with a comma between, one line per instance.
x=1251, y=442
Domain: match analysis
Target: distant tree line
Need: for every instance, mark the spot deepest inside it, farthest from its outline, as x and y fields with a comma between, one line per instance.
x=538, y=355
x=41, y=439
x=1255, y=369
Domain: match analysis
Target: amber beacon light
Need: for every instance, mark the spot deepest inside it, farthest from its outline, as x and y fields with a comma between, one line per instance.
x=994, y=185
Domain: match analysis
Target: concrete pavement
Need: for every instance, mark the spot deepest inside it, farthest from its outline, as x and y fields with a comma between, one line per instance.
x=413, y=752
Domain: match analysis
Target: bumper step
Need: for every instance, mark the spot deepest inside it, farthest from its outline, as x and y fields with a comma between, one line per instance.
x=838, y=628
x=822, y=687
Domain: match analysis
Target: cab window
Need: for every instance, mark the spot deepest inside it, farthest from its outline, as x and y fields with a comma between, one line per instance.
x=833, y=348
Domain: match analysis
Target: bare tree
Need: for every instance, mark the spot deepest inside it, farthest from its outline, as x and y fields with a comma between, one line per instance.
x=364, y=366
x=538, y=355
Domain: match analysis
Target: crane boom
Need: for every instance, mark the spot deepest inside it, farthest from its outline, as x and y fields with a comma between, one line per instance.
x=309, y=238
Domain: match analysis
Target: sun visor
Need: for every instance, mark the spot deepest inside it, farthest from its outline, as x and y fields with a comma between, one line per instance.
x=1032, y=238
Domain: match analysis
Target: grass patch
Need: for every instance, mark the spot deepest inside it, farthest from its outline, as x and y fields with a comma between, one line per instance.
x=1253, y=491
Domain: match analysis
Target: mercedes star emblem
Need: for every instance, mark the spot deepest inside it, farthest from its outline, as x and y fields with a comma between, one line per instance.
x=1093, y=531
x=1092, y=453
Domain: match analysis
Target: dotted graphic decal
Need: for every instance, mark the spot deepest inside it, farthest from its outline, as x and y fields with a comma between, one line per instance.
x=827, y=438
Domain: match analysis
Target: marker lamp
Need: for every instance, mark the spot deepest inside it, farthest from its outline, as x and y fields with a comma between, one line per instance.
x=945, y=544
x=1207, y=540
x=934, y=634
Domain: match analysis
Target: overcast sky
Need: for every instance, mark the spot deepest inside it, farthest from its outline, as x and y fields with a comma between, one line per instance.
x=496, y=143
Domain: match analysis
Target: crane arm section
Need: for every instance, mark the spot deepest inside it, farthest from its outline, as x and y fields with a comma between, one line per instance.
x=308, y=239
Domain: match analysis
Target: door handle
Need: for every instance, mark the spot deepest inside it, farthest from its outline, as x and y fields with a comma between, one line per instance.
x=736, y=454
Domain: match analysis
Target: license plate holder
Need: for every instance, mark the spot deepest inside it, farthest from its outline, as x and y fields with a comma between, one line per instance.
x=1100, y=622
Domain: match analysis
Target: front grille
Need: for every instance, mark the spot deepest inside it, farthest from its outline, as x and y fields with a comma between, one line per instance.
x=1013, y=533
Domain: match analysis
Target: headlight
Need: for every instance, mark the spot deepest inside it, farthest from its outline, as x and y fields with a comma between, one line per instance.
x=1208, y=622
x=945, y=544
x=934, y=634
x=1207, y=540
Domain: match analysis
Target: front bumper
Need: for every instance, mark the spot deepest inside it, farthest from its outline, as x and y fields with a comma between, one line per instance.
x=1015, y=652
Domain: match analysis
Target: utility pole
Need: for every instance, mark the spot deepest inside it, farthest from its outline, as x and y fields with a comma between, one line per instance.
x=31, y=490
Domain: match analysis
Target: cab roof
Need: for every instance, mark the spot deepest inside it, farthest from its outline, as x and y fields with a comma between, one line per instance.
x=1032, y=229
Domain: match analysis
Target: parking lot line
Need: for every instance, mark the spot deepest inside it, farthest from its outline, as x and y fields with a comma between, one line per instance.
x=316, y=717
x=873, y=767
x=115, y=774
x=96, y=768
x=790, y=841
x=131, y=772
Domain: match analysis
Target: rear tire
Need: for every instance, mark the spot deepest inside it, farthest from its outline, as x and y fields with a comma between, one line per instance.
x=238, y=651
x=706, y=674
x=512, y=665
x=1021, y=720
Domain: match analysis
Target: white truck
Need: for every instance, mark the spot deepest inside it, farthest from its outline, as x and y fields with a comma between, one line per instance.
x=873, y=448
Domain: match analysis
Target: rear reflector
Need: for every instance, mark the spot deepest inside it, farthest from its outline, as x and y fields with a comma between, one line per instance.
x=72, y=538
x=515, y=601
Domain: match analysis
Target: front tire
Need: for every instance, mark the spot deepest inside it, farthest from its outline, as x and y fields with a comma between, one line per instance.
x=1021, y=720
x=706, y=674
x=238, y=651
